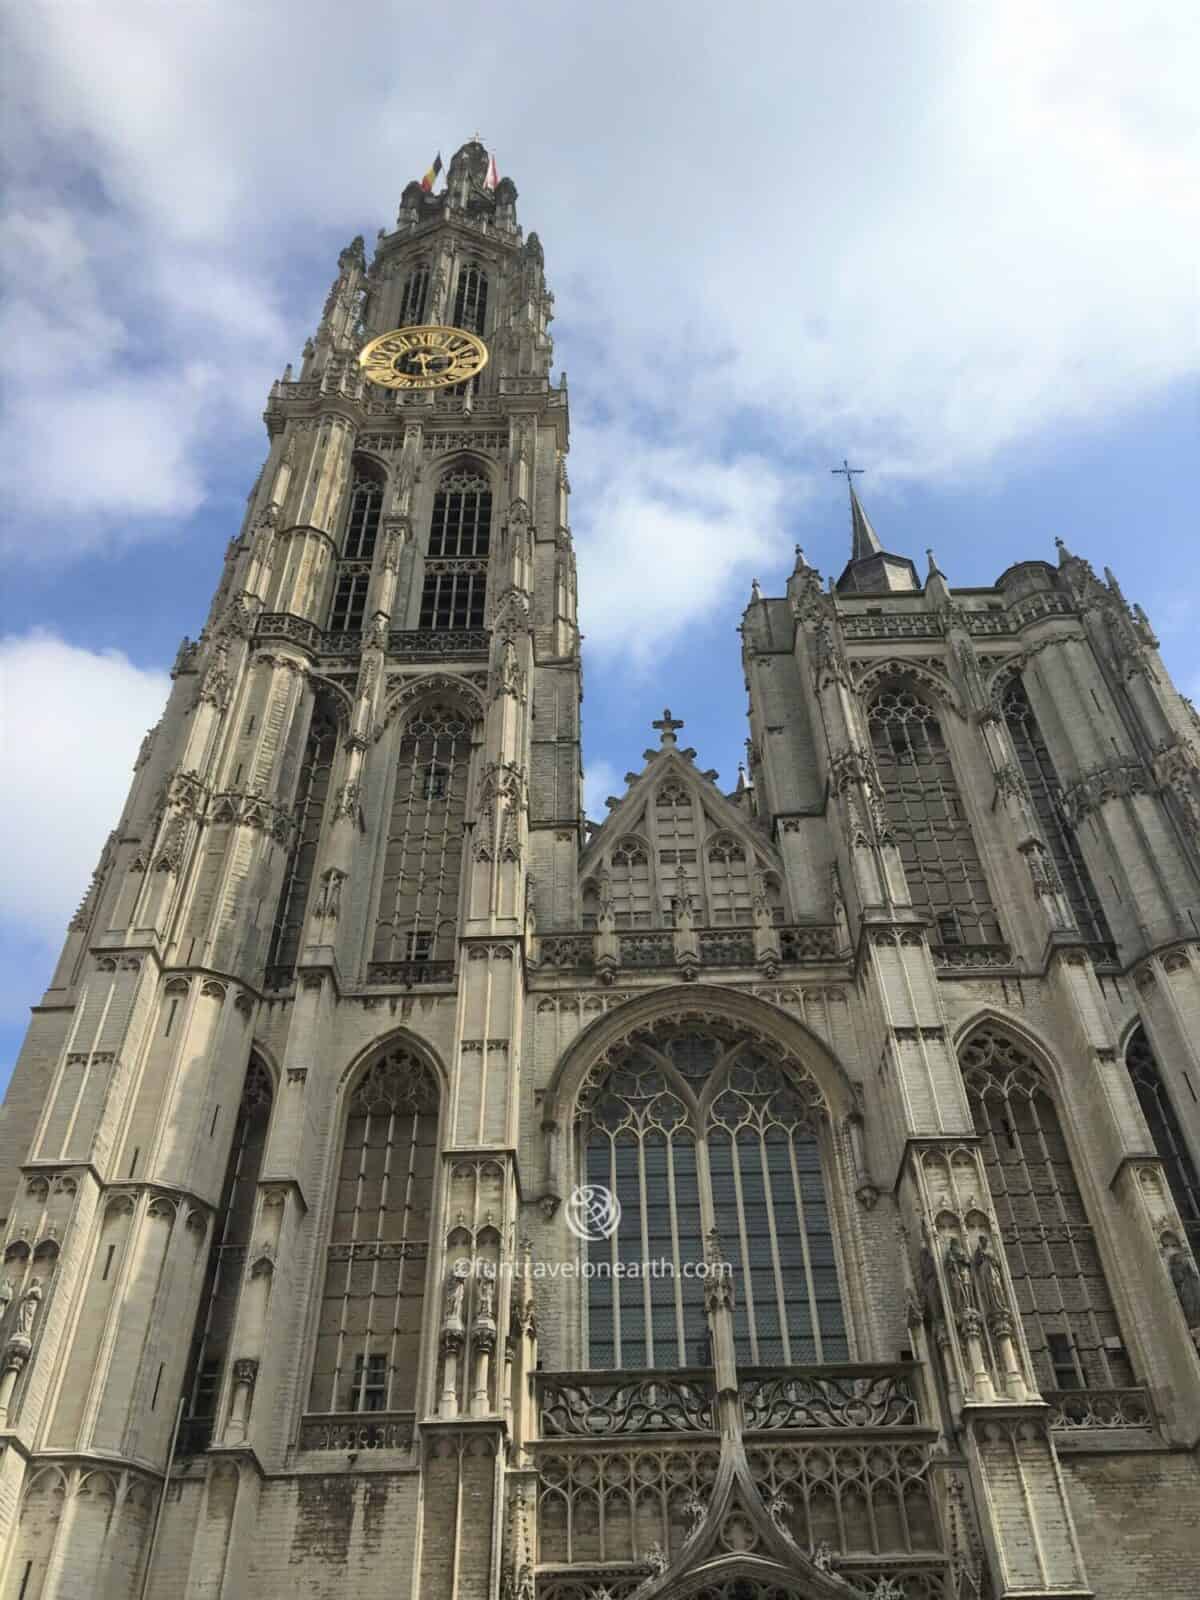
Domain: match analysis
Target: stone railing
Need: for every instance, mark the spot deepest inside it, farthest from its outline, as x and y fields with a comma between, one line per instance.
x=570, y=951
x=830, y=1397
x=404, y=974
x=651, y=949
x=727, y=947
x=357, y=1430
x=971, y=957
x=595, y=1405
x=808, y=944
x=282, y=625
x=1099, y=1408
x=438, y=642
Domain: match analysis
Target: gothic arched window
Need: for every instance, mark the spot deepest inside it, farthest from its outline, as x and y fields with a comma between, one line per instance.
x=694, y=1129
x=728, y=881
x=358, y=551
x=422, y=864
x=470, y=300
x=1063, y=1296
x=455, y=586
x=416, y=292
x=227, y=1260
x=369, y=1328
x=1043, y=784
x=629, y=876
x=312, y=792
x=946, y=880
x=1166, y=1132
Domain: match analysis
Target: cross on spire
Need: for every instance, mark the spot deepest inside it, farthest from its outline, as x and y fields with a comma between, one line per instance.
x=848, y=472
x=666, y=726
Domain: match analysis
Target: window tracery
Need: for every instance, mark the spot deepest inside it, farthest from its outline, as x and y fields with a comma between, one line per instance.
x=1053, y=1257
x=1166, y=1131
x=422, y=863
x=312, y=791
x=455, y=586
x=629, y=875
x=368, y=1342
x=1044, y=787
x=693, y=1128
x=933, y=833
x=227, y=1259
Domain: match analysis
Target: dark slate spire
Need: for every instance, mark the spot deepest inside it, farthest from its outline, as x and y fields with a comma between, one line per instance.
x=871, y=569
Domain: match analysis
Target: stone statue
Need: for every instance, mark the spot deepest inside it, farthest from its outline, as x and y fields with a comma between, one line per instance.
x=990, y=1278
x=456, y=1289
x=958, y=1277
x=27, y=1310
x=931, y=1294
x=1187, y=1286
x=487, y=1298
x=7, y=1289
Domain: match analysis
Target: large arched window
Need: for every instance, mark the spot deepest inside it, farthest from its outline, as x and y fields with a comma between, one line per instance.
x=1062, y=1293
x=311, y=794
x=470, y=300
x=1044, y=786
x=422, y=865
x=455, y=586
x=358, y=551
x=369, y=1327
x=946, y=880
x=693, y=1128
x=1166, y=1132
x=227, y=1260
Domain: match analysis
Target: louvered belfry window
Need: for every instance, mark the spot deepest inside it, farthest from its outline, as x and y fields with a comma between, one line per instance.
x=369, y=1330
x=1062, y=1293
x=470, y=300
x=312, y=791
x=353, y=581
x=456, y=566
x=1166, y=1131
x=416, y=293
x=422, y=868
x=933, y=834
x=227, y=1261
x=1044, y=787
x=684, y=1113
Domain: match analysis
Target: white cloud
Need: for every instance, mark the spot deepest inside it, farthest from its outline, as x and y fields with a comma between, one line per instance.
x=599, y=781
x=917, y=233
x=72, y=721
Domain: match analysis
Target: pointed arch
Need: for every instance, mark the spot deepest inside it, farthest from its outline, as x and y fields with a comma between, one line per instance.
x=917, y=675
x=454, y=590
x=367, y=1346
x=225, y=1271
x=1050, y=1241
x=356, y=546
x=414, y=296
x=471, y=298
x=928, y=817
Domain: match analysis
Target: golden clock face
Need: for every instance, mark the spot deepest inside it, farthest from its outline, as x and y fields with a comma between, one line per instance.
x=423, y=358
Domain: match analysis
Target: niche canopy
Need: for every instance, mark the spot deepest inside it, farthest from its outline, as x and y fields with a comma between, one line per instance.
x=430, y=357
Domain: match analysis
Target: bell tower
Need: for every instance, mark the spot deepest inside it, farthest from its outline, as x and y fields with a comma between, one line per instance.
x=365, y=781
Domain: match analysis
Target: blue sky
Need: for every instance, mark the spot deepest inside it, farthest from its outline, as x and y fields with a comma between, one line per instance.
x=957, y=244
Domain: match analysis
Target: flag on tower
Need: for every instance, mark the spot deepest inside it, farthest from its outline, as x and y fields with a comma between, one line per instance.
x=493, y=176
x=430, y=178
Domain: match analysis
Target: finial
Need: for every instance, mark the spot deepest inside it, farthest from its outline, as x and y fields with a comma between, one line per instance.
x=801, y=562
x=666, y=727
x=934, y=570
x=755, y=591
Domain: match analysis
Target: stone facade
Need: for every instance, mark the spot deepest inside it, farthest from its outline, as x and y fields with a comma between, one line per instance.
x=906, y=1030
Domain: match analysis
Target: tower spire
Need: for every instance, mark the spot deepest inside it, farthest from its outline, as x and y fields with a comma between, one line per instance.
x=871, y=568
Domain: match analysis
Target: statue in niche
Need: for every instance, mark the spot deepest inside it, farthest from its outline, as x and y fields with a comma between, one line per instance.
x=990, y=1278
x=931, y=1294
x=27, y=1310
x=958, y=1277
x=456, y=1291
x=487, y=1296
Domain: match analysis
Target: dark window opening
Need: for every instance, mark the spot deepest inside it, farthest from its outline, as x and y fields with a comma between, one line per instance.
x=349, y=602
x=470, y=302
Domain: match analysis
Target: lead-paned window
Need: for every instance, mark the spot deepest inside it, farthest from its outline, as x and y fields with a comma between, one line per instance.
x=1044, y=788
x=227, y=1260
x=686, y=1113
x=422, y=865
x=369, y=1328
x=1165, y=1130
x=925, y=810
x=454, y=592
x=1063, y=1296
x=309, y=810
x=453, y=600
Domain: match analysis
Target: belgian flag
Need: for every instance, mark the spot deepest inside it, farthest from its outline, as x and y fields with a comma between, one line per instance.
x=430, y=178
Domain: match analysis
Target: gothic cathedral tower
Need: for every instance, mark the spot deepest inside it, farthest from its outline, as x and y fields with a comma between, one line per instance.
x=414, y=1191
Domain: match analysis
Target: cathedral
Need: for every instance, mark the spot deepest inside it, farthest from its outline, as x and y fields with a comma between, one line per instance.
x=414, y=1192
